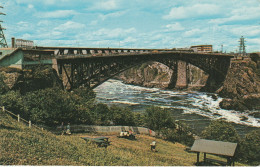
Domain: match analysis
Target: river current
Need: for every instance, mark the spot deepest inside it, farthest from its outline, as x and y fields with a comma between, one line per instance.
x=196, y=109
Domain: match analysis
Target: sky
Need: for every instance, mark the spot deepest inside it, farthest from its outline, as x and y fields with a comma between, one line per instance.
x=134, y=23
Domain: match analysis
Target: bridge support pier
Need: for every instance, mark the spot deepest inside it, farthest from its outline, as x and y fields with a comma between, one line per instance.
x=179, y=76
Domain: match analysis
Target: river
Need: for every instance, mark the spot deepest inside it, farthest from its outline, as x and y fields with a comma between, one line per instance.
x=196, y=109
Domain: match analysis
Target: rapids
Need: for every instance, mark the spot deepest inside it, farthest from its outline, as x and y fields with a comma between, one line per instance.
x=197, y=109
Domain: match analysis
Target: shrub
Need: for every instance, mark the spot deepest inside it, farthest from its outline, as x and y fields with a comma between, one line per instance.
x=14, y=102
x=121, y=116
x=250, y=148
x=157, y=118
x=3, y=86
x=51, y=106
x=100, y=114
x=181, y=134
x=221, y=131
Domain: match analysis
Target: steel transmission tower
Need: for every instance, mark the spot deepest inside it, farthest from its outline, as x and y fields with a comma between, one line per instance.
x=3, y=43
x=242, y=47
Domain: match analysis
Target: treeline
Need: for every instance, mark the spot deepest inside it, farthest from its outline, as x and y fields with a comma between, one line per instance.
x=49, y=106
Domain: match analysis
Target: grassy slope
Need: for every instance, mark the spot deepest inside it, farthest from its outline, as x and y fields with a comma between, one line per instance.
x=20, y=145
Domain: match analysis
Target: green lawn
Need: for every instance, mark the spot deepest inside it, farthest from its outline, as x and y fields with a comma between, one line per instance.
x=21, y=145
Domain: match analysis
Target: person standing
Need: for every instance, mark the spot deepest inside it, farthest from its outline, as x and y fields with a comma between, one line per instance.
x=62, y=128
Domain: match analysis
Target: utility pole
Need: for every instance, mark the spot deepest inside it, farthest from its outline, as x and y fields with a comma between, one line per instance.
x=3, y=43
x=242, y=47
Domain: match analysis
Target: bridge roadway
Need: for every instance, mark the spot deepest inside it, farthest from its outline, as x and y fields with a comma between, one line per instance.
x=92, y=66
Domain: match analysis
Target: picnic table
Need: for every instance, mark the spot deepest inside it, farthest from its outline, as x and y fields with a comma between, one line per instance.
x=100, y=141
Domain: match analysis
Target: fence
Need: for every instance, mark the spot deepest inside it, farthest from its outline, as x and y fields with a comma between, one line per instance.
x=19, y=119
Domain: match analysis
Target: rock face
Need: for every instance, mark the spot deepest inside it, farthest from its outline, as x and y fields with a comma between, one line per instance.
x=148, y=75
x=241, y=87
x=154, y=74
x=11, y=76
x=30, y=79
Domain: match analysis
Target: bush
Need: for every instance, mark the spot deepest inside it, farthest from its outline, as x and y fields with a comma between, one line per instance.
x=100, y=114
x=52, y=106
x=121, y=116
x=250, y=148
x=221, y=131
x=3, y=86
x=14, y=102
x=157, y=119
x=181, y=134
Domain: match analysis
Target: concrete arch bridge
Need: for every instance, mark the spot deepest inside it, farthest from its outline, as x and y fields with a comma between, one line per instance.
x=90, y=67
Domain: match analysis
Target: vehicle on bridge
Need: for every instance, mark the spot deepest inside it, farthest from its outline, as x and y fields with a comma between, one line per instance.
x=99, y=141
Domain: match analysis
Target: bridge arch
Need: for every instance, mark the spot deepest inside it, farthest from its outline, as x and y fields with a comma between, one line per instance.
x=93, y=71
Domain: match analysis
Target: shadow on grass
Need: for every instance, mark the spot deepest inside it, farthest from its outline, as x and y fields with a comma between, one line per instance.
x=208, y=164
x=7, y=127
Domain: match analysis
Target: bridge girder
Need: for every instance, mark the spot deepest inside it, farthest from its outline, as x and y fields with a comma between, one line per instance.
x=93, y=71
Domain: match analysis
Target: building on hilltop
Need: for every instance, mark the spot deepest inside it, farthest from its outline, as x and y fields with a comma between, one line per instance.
x=202, y=48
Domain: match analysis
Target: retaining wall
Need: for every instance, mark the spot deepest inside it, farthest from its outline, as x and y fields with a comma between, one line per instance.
x=118, y=129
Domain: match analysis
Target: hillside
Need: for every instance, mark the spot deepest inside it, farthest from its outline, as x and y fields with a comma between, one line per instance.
x=21, y=145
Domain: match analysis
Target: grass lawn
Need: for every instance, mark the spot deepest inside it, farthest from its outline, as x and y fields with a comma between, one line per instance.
x=21, y=145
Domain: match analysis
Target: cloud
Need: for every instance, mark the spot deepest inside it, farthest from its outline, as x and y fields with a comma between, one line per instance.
x=30, y=6
x=24, y=26
x=114, y=33
x=70, y=25
x=112, y=15
x=57, y=14
x=197, y=10
x=239, y=14
x=194, y=32
x=249, y=31
x=174, y=27
x=105, y=5
x=44, y=2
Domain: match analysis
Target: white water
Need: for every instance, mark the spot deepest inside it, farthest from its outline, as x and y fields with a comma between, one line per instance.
x=187, y=106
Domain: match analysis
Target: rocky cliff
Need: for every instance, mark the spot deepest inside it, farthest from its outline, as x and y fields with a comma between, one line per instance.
x=242, y=86
x=30, y=79
x=154, y=74
x=241, y=89
x=151, y=74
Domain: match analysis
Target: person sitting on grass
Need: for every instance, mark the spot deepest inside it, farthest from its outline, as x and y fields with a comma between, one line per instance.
x=68, y=129
x=153, y=145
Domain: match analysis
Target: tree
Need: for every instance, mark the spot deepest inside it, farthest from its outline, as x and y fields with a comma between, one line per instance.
x=52, y=106
x=100, y=114
x=157, y=118
x=221, y=131
x=13, y=101
x=121, y=116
